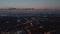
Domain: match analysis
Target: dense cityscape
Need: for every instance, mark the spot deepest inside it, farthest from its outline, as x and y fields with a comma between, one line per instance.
x=29, y=16
x=40, y=22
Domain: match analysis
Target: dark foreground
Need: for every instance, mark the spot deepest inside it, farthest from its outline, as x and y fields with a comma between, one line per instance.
x=42, y=24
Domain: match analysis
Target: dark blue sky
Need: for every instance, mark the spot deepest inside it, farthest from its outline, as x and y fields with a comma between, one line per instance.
x=30, y=3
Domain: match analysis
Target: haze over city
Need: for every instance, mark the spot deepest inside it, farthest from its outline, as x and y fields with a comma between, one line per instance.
x=30, y=3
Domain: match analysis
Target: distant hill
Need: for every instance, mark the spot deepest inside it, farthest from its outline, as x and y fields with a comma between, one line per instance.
x=29, y=12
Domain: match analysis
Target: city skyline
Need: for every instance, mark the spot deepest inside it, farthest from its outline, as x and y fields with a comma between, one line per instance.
x=30, y=3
